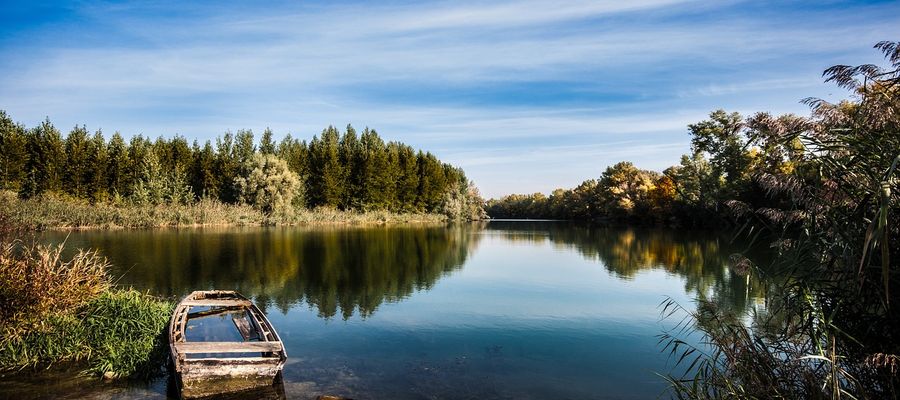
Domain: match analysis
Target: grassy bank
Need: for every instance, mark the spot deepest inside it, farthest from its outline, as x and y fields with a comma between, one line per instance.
x=56, y=212
x=55, y=309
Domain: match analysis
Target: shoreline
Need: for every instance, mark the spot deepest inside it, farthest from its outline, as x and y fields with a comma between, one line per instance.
x=57, y=213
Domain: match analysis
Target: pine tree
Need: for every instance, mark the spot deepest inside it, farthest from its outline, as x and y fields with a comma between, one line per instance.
x=326, y=171
x=375, y=182
x=45, y=162
x=432, y=182
x=407, y=182
x=13, y=155
x=204, y=179
x=266, y=143
x=139, y=148
x=117, y=166
x=95, y=170
x=226, y=167
x=243, y=146
x=296, y=154
x=351, y=156
x=76, y=163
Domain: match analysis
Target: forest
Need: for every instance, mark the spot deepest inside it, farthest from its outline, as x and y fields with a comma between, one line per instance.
x=731, y=156
x=335, y=170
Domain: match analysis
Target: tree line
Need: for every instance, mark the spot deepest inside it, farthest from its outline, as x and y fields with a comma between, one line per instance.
x=343, y=170
x=728, y=151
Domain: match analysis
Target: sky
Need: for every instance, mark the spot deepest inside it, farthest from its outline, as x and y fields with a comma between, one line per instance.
x=525, y=96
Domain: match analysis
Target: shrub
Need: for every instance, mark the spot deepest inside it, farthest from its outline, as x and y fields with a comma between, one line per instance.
x=268, y=184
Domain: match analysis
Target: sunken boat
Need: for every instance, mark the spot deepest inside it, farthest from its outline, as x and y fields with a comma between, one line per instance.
x=221, y=342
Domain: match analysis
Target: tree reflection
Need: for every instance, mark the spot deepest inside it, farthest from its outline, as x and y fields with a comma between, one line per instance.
x=700, y=258
x=336, y=270
x=347, y=270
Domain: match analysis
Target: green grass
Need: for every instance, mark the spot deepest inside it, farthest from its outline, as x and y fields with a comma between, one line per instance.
x=118, y=334
x=58, y=309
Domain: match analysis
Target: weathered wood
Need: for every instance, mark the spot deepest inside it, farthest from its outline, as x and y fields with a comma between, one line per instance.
x=217, y=303
x=243, y=326
x=213, y=311
x=208, y=375
x=227, y=347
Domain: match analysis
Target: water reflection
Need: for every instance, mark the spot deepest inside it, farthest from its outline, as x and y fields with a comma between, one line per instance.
x=338, y=271
x=499, y=310
x=701, y=258
x=342, y=271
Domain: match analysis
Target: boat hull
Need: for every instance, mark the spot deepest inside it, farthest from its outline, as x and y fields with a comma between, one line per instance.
x=204, y=368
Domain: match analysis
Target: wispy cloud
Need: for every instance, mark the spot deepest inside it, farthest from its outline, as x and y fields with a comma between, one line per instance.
x=471, y=81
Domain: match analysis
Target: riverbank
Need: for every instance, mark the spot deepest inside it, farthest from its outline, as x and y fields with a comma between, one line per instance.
x=58, y=309
x=55, y=212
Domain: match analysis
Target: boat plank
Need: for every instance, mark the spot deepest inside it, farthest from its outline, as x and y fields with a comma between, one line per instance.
x=217, y=303
x=227, y=347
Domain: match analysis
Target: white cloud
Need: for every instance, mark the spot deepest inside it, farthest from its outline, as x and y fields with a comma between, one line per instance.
x=642, y=73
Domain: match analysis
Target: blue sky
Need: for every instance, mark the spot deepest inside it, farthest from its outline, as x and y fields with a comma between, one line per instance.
x=525, y=96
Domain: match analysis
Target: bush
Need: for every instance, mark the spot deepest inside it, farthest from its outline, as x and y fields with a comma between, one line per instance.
x=56, y=309
x=268, y=184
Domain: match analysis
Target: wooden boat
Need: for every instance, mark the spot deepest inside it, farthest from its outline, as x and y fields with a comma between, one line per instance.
x=212, y=355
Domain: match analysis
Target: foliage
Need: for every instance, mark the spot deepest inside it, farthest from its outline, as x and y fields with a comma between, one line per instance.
x=268, y=184
x=57, y=308
x=346, y=171
x=831, y=328
x=37, y=280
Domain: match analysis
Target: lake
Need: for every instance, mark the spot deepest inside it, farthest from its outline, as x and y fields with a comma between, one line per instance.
x=498, y=310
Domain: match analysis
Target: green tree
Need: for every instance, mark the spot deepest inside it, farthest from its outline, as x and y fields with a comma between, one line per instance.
x=407, y=180
x=722, y=137
x=375, y=181
x=77, y=161
x=117, y=166
x=204, y=179
x=227, y=165
x=13, y=157
x=266, y=142
x=46, y=160
x=352, y=159
x=268, y=184
x=432, y=182
x=95, y=170
x=326, y=183
x=625, y=190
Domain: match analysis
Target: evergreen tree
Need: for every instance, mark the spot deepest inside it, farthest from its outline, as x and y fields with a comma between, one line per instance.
x=407, y=182
x=296, y=154
x=376, y=182
x=352, y=157
x=95, y=170
x=432, y=182
x=243, y=146
x=326, y=172
x=45, y=162
x=204, y=179
x=139, y=148
x=77, y=161
x=266, y=143
x=226, y=167
x=117, y=166
x=13, y=154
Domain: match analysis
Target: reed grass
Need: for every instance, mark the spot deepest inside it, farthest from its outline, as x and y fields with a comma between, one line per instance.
x=57, y=309
x=51, y=211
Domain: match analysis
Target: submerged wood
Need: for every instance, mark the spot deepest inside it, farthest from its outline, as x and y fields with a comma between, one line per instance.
x=205, y=368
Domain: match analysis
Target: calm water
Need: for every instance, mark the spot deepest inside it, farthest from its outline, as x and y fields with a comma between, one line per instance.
x=505, y=310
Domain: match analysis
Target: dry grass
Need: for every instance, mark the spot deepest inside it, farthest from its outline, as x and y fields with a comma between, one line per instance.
x=35, y=281
x=51, y=211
